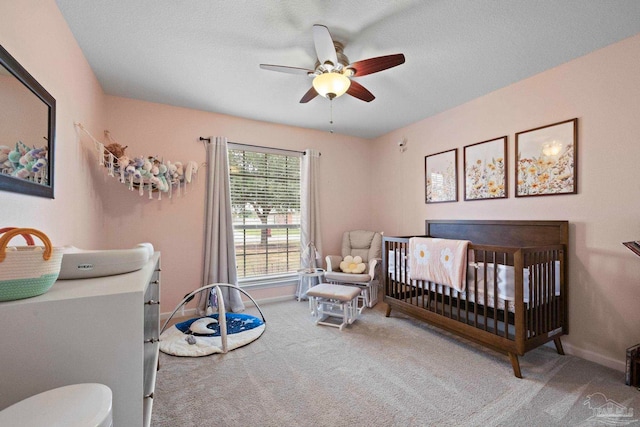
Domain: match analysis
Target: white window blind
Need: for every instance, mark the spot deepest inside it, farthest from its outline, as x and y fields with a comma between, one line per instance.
x=265, y=199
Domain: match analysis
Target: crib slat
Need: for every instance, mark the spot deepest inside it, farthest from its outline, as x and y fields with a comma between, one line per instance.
x=532, y=300
x=554, y=257
x=506, y=306
x=553, y=285
x=495, y=293
x=430, y=295
x=530, y=309
x=539, y=258
x=391, y=283
x=396, y=260
x=548, y=293
x=475, y=296
x=532, y=293
x=544, y=282
x=539, y=284
x=534, y=304
x=485, y=295
x=458, y=297
x=536, y=291
x=398, y=273
x=554, y=319
x=401, y=275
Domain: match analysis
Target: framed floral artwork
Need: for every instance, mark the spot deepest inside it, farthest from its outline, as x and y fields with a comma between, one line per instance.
x=546, y=160
x=485, y=170
x=441, y=177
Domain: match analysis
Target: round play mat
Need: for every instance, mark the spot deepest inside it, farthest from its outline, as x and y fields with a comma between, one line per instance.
x=216, y=333
x=201, y=336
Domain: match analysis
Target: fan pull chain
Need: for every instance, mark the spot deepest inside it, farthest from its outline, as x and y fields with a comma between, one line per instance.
x=331, y=115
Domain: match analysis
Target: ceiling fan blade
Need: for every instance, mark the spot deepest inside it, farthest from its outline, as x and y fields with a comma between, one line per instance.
x=311, y=93
x=325, y=49
x=373, y=65
x=285, y=69
x=358, y=91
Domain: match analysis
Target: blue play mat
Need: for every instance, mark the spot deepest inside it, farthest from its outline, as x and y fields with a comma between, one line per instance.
x=236, y=323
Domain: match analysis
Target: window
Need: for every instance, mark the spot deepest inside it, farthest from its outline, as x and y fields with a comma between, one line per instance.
x=265, y=199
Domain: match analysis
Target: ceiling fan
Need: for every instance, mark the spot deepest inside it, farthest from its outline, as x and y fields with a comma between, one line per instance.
x=333, y=72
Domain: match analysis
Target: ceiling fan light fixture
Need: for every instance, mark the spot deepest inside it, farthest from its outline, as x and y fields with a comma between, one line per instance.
x=331, y=85
x=333, y=71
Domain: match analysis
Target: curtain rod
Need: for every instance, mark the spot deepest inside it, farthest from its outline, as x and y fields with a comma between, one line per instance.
x=257, y=146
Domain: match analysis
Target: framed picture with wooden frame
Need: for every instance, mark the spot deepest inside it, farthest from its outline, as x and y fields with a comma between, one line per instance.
x=546, y=160
x=485, y=170
x=441, y=177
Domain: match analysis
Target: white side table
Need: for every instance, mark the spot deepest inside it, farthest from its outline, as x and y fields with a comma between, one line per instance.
x=305, y=280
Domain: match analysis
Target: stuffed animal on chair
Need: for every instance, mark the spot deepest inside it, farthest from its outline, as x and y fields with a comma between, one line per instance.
x=352, y=265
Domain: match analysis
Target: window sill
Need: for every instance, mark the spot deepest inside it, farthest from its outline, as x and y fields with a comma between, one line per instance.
x=268, y=282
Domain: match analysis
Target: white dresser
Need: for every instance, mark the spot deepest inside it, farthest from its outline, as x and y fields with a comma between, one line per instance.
x=101, y=330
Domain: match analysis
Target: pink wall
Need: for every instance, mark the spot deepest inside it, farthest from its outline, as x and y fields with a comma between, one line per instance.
x=175, y=226
x=602, y=90
x=35, y=33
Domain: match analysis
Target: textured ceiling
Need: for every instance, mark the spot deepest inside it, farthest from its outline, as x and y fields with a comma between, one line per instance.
x=205, y=54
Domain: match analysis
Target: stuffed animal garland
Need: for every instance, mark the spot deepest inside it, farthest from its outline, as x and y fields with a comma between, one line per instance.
x=138, y=170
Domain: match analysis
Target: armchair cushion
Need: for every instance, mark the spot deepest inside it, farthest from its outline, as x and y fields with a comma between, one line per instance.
x=336, y=276
x=365, y=244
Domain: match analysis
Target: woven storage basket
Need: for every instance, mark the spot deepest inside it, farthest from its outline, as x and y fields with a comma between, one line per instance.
x=27, y=271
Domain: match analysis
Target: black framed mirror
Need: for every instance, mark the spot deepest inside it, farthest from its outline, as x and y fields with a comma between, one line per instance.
x=27, y=131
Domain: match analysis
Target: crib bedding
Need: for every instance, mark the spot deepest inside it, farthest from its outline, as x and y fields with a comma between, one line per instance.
x=488, y=310
x=439, y=260
x=475, y=272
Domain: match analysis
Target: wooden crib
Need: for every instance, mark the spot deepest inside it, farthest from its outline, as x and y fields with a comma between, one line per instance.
x=516, y=294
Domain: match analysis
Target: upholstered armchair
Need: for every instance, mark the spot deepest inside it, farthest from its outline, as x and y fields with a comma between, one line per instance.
x=368, y=246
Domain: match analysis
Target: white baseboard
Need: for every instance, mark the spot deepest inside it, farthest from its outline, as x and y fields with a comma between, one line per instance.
x=276, y=299
x=188, y=312
x=618, y=365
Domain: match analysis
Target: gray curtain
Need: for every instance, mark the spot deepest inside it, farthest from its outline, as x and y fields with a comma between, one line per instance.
x=219, y=250
x=310, y=234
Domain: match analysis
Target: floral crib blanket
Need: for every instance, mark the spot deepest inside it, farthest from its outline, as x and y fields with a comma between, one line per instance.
x=442, y=261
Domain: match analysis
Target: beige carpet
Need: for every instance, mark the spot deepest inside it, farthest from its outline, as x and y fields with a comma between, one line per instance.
x=380, y=372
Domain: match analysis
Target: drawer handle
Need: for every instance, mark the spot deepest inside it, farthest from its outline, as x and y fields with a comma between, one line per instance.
x=151, y=340
x=152, y=302
x=155, y=282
